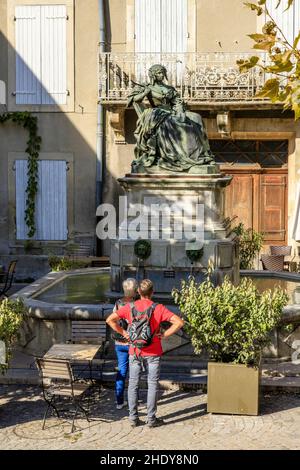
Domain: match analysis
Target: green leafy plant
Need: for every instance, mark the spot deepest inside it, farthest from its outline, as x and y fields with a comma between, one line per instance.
x=231, y=323
x=194, y=255
x=28, y=246
x=28, y=122
x=142, y=249
x=283, y=60
x=250, y=244
x=66, y=263
x=11, y=316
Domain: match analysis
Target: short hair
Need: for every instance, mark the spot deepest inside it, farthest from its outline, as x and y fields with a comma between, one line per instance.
x=146, y=287
x=129, y=287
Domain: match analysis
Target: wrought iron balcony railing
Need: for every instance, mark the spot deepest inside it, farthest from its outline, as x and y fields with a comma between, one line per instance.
x=198, y=77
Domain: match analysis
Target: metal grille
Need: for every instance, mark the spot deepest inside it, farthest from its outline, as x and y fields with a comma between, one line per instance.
x=266, y=153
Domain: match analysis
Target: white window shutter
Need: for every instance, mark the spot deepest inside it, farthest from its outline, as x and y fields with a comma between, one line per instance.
x=174, y=25
x=284, y=19
x=21, y=184
x=54, y=54
x=51, y=200
x=148, y=25
x=161, y=26
x=28, y=55
x=296, y=18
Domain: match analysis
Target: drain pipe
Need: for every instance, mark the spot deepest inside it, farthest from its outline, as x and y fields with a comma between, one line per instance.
x=100, y=124
x=100, y=114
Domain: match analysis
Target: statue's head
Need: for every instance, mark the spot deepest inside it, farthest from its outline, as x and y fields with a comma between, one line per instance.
x=157, y=71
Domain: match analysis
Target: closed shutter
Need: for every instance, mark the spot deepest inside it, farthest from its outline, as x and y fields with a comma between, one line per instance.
x=54, y=54
x=21, y=184
x=148, y=25
x=41, y=54
x=289, y=20
x=296, y=18
x=273, y=208
x=51, y=200
x=174, y=25
x=161, y=25
x=28, y=55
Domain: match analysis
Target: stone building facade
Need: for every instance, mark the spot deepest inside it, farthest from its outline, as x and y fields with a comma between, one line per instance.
x=51, y=50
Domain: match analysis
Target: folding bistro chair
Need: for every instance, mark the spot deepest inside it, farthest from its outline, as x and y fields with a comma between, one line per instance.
x=8, y=278
x=90, y=332
x=58, y=382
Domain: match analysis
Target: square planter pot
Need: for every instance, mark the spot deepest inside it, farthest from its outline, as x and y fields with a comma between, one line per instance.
x=233, y=389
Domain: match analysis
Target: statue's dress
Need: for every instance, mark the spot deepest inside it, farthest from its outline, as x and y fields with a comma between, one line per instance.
x=167, y=136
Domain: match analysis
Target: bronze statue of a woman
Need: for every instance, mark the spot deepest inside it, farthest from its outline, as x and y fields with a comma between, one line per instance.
x=168, y=136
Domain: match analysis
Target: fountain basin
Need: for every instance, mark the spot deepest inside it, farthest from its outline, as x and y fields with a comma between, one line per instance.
x=58, y=298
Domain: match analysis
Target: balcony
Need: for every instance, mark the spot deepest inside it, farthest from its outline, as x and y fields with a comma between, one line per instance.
x=203, y=80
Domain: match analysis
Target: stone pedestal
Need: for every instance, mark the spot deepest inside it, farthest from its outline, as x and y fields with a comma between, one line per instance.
x=168, y=264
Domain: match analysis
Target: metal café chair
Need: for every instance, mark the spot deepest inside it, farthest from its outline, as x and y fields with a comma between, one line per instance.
x=90, y=332
x=8, y=278
x=58, y=382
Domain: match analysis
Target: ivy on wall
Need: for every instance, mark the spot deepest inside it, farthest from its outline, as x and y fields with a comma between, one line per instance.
x=28, y=122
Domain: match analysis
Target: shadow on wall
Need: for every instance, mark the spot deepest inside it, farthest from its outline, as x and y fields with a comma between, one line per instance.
x=69, y=137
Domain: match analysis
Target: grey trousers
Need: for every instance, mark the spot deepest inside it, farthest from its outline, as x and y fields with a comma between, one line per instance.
x=152, y=364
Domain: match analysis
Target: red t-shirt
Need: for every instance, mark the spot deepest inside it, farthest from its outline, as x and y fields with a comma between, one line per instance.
x=160, y=314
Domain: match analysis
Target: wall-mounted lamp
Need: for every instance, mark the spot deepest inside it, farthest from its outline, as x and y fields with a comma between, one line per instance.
x=224, y=123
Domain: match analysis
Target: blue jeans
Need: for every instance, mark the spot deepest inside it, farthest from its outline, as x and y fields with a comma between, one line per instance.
x=122, y=352
x=152, y=364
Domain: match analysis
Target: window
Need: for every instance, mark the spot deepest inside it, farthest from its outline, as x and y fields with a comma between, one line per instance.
x=41, y=54
x=161, y=26
x=51, y=201
x=288, y=21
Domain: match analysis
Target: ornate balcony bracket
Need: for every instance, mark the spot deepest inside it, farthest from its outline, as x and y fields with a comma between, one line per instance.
x=116, y=119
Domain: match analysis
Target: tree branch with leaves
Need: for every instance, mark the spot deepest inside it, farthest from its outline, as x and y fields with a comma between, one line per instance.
x=282, y=59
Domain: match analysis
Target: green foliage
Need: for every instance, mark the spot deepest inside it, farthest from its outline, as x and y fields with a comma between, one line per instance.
x=28, y=246
x=194, y=255
x=283, y=60
x=28, y=122
x=142, y=249
x=232, y=323
x=66, y=263
x=11, y=316
x=250, y=244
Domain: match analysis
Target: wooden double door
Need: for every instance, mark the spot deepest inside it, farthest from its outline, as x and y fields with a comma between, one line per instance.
x=258, y=198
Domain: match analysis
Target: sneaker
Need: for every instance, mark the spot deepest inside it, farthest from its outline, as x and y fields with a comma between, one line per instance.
x=122, y=405
x=134, y=423
x=154, y=424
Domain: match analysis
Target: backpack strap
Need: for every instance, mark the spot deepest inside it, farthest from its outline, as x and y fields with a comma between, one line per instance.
x=132, y=310
x=152, y=309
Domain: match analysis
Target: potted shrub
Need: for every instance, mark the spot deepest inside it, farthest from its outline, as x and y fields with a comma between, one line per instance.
x=232, y=324
x=11, y=316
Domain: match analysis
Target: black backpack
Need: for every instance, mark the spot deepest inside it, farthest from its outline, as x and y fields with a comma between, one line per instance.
x=122, y=323
x=139, y=329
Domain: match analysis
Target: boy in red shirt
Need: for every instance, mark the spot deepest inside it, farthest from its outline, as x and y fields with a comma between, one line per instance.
x=151, y=355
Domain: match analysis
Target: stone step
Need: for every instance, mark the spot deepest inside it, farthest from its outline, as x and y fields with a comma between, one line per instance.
x=168, y=381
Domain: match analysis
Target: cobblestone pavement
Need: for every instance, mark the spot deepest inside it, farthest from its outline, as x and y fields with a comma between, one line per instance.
x=188, y=426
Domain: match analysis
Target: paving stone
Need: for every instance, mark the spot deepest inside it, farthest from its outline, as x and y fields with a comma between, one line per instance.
x=188, y=426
